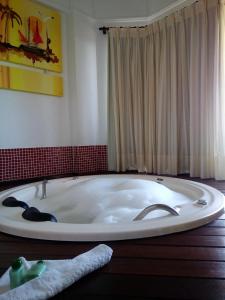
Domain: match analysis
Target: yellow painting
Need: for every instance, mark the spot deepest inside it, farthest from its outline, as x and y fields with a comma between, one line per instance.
x=30, y=34
x=30, y=81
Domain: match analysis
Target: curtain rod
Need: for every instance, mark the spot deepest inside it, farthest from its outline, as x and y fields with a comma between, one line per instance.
x=106, y=29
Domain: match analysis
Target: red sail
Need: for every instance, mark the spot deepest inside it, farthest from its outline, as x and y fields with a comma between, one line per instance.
x=37, y=39
x=22, y=38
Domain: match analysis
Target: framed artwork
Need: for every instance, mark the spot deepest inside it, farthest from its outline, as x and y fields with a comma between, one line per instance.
x=30, y=34
x=30, y=81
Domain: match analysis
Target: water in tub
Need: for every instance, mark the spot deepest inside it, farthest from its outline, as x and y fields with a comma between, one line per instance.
x=103, y=200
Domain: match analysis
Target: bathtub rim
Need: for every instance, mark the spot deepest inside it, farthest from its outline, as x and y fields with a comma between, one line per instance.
x=109, y=232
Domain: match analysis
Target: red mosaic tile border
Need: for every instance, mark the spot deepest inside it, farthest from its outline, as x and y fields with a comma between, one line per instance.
x=90, y=159
x=26, y=163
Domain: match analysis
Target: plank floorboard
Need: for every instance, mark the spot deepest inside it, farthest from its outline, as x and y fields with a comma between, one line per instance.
x=214, y=231
x=146, y=287
x=217, y=223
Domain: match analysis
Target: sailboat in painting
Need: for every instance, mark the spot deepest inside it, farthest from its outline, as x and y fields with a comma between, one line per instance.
x=32, y=44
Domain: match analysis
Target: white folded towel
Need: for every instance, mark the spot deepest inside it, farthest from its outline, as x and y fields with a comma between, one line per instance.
x=59, y=275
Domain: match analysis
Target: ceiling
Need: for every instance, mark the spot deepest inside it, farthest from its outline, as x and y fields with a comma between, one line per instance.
x=119, y=10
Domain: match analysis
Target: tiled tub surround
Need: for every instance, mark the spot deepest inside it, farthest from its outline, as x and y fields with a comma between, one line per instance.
x=25, y=163
x=90, y=159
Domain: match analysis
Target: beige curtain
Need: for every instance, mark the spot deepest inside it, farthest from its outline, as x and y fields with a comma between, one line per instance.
x=166, y=105
x=219, y=132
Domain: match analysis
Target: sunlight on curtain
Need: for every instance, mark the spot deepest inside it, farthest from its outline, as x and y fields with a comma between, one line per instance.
x=166, y=114
x=220, y=103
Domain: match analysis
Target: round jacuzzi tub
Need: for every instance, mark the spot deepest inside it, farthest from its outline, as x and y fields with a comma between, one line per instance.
x=110, y=207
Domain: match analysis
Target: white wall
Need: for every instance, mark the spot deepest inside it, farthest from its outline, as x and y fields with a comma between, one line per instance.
x=102, y=80
x=88, y=112
x=28, y=120
x=32, y=120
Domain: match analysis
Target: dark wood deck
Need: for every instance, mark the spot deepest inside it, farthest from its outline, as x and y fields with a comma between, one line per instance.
x=188, y=265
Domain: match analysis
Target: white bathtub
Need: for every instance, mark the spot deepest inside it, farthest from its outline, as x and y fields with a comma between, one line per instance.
x=103, y=207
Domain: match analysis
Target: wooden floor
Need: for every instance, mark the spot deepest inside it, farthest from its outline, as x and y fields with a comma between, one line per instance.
x=188, y=265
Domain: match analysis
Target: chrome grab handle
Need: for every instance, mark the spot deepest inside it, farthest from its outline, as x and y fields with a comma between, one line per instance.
x=153, y=207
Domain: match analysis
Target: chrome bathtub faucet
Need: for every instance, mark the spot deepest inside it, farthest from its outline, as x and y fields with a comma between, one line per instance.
x=44, y=192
